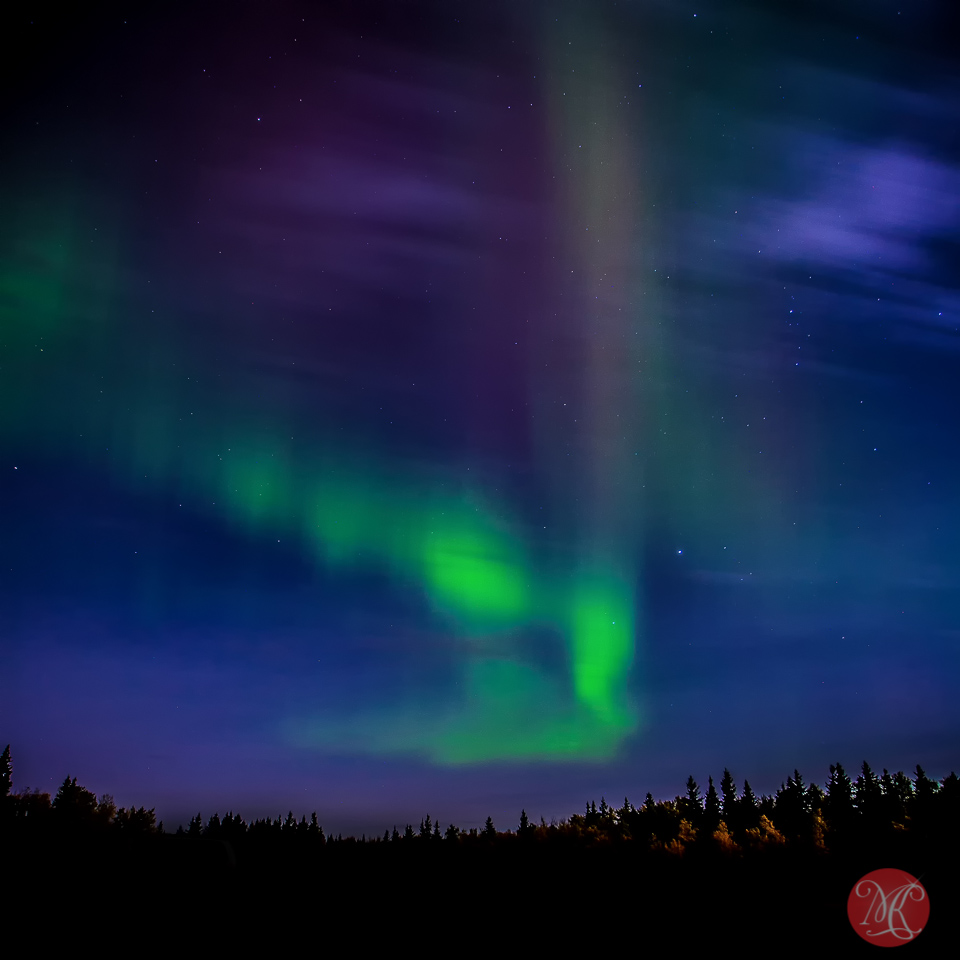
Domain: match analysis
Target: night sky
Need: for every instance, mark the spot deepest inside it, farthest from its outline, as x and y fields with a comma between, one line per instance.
x=457, y=407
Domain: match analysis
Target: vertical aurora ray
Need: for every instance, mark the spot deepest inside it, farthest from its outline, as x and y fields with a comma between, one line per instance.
x=596, y=163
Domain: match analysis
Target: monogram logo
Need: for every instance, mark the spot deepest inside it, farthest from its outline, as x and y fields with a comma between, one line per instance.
x=888, y=907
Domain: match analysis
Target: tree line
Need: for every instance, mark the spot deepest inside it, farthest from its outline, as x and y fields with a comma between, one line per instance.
x=730, y=820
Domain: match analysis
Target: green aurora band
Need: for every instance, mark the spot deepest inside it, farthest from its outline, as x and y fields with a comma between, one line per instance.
x=58, y=315
x=140, y=425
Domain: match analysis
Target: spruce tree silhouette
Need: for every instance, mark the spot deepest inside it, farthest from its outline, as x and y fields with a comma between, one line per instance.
x=711, y=807
x=950, y=792
x=923, y=807
x=728, y=789
x=691, y=806
x=815, y=797
x=838, y=804
x=923, y=788
x=748, y=807
x=868, y=799
x=791, y=809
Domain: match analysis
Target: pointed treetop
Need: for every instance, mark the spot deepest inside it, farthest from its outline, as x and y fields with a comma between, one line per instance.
x=839, y=787
x=712, y=802
x=728, y=786
x=924, y=787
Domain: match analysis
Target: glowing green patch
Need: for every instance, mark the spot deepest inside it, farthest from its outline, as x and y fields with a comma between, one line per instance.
x=472, y=574
x=512, y=711
x=472, y=568
x=602, y=644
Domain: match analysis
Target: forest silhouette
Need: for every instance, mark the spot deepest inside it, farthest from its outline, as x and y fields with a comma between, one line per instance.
x=763, y=867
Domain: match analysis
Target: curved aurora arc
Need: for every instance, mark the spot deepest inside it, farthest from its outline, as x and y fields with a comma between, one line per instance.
x=463, y=550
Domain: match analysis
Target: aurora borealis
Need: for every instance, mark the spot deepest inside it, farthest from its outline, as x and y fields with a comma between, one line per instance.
x=435, y=405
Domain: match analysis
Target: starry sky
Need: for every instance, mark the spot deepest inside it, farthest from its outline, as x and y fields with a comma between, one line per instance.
x=451, y=407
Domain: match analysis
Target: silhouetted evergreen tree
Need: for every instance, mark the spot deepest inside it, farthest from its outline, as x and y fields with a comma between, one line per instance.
x=234, y=827
x=923, y=787
x=691, y=806
x=868, y=800
x=711, y=807
x=950, y=790
x=897, y=795
x=791, y=809
x=490, y=832
x=748, y=807
x=903, y=791
x=728, y=790
x=838, y=804
x=524, y=828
